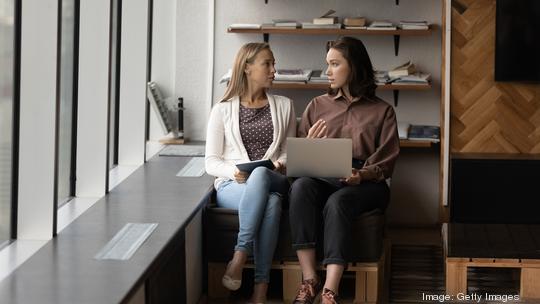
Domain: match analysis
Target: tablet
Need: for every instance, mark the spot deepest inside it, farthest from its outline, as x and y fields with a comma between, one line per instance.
x=250, y=166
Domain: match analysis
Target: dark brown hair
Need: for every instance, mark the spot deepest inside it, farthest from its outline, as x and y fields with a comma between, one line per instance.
x=361, y=79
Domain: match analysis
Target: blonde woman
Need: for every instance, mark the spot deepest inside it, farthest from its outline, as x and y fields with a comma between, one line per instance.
x=250, y=124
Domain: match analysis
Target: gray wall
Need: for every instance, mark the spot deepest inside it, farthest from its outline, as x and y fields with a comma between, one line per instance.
x=415, y=190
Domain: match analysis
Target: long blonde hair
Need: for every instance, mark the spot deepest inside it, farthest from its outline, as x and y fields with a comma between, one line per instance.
x=238, y=84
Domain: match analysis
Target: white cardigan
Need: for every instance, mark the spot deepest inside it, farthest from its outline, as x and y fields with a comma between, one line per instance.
x=224, y=146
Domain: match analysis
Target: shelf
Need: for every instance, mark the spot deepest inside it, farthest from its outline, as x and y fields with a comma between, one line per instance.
x=387, y=87
x=301, y=31
x=324, y=86
x=405, y=143
x=339, y=32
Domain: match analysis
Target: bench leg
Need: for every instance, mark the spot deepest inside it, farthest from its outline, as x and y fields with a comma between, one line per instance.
x=366, y=287
x=530, y=283
x=291, y=281
x=456, y=278
x=216, y=290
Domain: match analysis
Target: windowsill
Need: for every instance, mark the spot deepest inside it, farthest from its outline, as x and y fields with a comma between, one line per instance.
x=16, y=253
x=152, y=194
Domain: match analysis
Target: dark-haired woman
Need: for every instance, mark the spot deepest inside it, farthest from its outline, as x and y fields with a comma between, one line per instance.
x=349, y=110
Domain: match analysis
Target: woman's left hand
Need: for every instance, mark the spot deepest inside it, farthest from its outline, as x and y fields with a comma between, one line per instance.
x=279, y=167
x=354, y=179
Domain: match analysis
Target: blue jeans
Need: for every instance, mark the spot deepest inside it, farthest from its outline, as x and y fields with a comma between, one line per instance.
x=258, y=202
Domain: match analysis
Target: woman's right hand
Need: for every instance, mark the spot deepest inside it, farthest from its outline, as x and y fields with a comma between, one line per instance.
x=318, y=130
x=240, y=176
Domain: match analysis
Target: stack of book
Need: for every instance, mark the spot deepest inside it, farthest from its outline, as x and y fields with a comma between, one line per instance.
x=243, y=26
x=326, y=21
x=407, y=74
x=318, y=76
x=414, y=25
x=355, y=23
x=285, y=23
x=308, y=25
x=425, y=133
x=381, y=77
x=416, y=78
x=292, y=75
x=381, y=25
x=403, y=70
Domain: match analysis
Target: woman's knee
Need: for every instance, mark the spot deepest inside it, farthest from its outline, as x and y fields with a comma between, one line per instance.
x=273, y=206
x=260, y=171
x=302, y=185
x=336, y=204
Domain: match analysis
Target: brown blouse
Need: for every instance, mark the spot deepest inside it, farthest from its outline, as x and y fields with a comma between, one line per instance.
x=371, y=123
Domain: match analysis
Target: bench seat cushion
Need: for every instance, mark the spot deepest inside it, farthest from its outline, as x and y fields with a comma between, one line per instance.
x=221, y=230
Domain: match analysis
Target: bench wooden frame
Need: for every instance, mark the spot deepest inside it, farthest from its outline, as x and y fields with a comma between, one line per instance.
x=456, y=271
x=370, y=286
x=456, y=274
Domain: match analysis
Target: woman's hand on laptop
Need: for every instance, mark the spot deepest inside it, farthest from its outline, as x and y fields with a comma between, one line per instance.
x=354, y=179
x=240, y=176
x=318, y=130
x=279, y=167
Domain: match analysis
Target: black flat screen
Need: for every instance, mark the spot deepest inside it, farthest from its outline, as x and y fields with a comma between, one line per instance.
x=517, y=46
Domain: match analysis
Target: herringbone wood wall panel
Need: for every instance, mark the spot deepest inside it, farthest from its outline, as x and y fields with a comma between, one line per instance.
x=487, y=117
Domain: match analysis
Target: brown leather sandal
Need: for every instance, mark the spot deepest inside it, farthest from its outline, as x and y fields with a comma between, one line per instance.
x=329, y=297
x=308, y=292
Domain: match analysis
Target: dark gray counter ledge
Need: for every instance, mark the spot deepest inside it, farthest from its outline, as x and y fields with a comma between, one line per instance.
x=65, y=271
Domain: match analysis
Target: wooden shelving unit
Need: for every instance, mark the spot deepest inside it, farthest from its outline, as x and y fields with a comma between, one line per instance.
x=338, y=32
x=350, y=32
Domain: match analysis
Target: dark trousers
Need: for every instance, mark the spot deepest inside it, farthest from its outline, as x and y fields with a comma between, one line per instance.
x=316, y=204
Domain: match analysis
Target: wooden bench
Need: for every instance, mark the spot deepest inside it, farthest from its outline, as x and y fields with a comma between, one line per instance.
x=370, y=285
x=492, y=245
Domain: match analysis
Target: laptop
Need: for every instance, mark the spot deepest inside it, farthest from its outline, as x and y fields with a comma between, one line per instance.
x=319, y=157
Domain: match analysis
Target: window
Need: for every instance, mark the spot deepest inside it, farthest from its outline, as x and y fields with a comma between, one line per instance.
x=114, y=85
x=7, y=89
x=66, y=140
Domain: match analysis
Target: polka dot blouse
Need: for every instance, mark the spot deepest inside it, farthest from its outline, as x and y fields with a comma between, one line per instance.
x=257, y=130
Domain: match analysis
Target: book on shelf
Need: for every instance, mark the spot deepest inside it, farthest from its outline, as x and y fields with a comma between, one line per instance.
x=381, y=77
x=403, y=130
x=416, y=78
x=292, y=75
x=326, y=18
x=318, y=76
x=289, y=82
x=350, y=27
x=307, y=25
x=414, y=25
x=354, y=21
x=285, y=23
x=424, y=132
x=266, y=26
x=381, y=25
x=160, y=106
x=402, y=70
x=242, y=26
